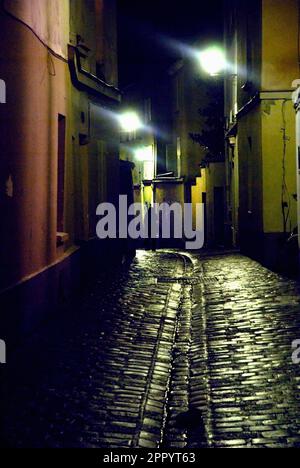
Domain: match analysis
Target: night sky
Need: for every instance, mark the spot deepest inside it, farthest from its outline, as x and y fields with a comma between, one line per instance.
x=148, y=28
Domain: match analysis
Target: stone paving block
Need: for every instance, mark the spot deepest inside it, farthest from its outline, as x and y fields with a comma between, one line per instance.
x=248, y=343
x=143, y=353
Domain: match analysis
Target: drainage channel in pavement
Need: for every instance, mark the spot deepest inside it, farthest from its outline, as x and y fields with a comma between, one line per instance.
x=185, y=423
x=188, y=280
x=154, y=404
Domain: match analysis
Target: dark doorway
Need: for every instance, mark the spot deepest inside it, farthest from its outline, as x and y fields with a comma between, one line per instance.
x=219, y=215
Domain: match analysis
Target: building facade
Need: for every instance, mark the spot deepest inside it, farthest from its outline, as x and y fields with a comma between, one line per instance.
x=261, y=43
x=143, y=147
x=196, y=123
x=59, y=149
x=171, y=162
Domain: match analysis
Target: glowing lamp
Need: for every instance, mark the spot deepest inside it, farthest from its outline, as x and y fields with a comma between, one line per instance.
x=130, y=122
x=212, y=61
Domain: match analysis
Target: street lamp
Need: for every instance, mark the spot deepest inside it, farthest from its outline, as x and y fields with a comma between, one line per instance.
x=130, y=122
x=212, y=60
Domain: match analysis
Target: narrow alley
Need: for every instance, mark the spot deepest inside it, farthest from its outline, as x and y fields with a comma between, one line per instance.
x=149, y=226
x=174, y=351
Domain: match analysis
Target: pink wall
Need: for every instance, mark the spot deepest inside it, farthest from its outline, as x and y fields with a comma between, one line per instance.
x=36, y=93
x=39, y=88
x=47, y=18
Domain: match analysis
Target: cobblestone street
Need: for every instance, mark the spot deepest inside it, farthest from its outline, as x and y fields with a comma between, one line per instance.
x=175, y=351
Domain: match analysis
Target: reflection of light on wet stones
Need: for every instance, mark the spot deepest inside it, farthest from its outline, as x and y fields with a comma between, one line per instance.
x=186, y=363
x=288, y=300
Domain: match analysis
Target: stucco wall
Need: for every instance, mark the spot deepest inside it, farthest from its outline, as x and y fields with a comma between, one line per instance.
x=37, y=93
x=273, y=150
x=189, y=95
x=250, y=173
x=197, y=193
x=39, y=88
x=48, y=19
x=280, y=44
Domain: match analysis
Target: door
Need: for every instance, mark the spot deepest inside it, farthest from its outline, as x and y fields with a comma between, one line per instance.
x=219, y=215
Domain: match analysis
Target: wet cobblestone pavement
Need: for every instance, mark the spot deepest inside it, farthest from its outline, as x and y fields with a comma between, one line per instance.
x=176, y=351
x=248, y=319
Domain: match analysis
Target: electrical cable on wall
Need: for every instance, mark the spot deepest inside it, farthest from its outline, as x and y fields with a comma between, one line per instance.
x=50, y=50
x=285, y=194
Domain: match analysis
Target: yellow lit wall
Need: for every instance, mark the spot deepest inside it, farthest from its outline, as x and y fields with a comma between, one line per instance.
x=148, y=195
x=197, y=193
x=280, y=29
x=250, y=171
x=272, y=141
x=261, y=38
